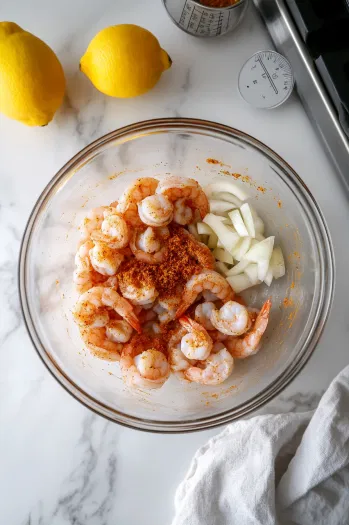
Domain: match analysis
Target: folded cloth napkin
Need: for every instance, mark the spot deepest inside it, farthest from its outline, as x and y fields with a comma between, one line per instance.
x=282, y=469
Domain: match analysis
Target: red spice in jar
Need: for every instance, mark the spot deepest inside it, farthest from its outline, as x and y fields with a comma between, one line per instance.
x=219, y=3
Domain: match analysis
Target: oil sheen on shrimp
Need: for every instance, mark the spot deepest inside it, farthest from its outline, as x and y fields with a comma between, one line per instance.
x=203, y=313
x=85, y=277
x=175, y=188
x=139, y=190
x=249, y=344
x=139, y=295
x=206, y=280
x=99, y=343
x=92, y=222
x=214, y=370
x=232, y=319
x=104, y=259
x=113, y=230
x=91, y=310
x=143, y=364
x=178, y=362
x=149, y=245
x=156, y=210
x=196, y=343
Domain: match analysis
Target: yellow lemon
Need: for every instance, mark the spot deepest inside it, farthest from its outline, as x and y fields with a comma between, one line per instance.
x=32, y=81
x=124, y=61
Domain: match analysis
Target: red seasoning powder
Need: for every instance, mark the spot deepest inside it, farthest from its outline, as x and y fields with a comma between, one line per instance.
x=178, y=266
x=219, y=3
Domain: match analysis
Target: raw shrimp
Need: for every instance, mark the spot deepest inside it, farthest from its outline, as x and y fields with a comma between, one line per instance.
x=139, y=190
x=206, y=280
x=214, y=370
x=119, y=331
x=155, y=210
x=113, y=230
x=92, y=221
x=91, y=310
x=249, y=344
x=143, y=363
x=104, y=259
x=196, y=344
x=231, y=319
x=203, y=313
x=175, y=188
x=97, y=340
x=149, y=245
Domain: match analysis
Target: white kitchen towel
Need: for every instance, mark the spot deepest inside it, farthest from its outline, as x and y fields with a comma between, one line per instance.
x=287, y=469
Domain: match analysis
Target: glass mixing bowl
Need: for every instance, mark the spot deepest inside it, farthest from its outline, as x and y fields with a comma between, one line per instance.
x=202, y=150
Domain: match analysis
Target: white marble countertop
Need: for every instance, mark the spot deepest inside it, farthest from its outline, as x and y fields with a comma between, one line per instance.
x=59, y=463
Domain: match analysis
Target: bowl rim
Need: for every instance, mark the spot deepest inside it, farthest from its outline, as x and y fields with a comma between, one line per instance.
x=272, y=389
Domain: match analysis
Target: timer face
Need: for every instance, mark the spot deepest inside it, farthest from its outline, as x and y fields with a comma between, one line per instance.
x=266, y=80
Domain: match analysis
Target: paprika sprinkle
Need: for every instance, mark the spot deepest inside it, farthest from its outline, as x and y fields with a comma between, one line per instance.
x=178, y=266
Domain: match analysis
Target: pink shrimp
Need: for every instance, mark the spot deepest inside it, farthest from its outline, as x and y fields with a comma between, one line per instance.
x=206, y=280
x=139, y=190
x=98, y=342
x=91, y=310
x=189, y=196
x=143, y=362
x=196, y=343
x=249, y=344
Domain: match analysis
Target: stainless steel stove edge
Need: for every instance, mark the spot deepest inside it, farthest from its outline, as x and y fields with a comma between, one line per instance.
x=309, y=85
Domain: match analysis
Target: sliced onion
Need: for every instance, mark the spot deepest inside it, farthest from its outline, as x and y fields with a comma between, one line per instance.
x=263, y=267
x=258, y=224
x=259, y=237
x=225, y=186
x=277, y=263
x=269, y=277
x=239, y=267
x=239, y=283
x=212, y=241
x=223, y=256
x=228, y=197
x=240, y=251
x=228, y=238
x=219, y=206
x=224, y=219
x=252, y=273
x=203, y=229
x=246, y=213
x=261, y=251
x=222, y=268
x=238, y=223
x=204, y=239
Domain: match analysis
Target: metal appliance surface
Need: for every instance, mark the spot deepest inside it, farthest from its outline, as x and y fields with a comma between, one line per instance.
x=312, y=89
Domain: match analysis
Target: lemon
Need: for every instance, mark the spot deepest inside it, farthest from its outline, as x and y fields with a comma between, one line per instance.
x=124, y=61
x=32, y=81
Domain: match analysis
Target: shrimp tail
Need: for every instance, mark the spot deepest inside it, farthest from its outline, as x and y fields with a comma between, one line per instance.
x=186, y=322
x=133, y=320
x=182, y=308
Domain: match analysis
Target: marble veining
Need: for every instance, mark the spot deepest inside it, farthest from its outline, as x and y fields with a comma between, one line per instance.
x=59, y=463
